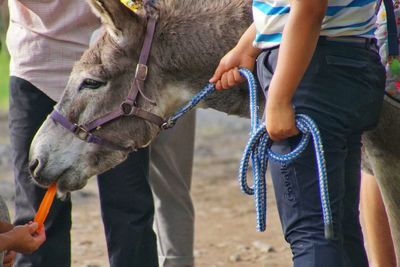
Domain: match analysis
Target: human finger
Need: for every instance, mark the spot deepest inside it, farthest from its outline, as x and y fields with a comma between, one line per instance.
x=40, y=236
x=33, y=227
x=218, y=73
x=231, y=78
x=218, y=85
x=238, y=77
x=282, y=134
x=9, y=258
x=224, y=81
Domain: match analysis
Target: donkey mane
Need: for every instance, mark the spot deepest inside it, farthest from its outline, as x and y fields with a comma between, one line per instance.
x=190, y=39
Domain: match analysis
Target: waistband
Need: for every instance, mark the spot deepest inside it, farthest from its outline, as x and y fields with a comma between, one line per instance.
x=354, y=41
x=349, y=40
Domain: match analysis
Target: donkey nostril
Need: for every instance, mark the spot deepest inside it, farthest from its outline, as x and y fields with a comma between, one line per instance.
x=33, y=167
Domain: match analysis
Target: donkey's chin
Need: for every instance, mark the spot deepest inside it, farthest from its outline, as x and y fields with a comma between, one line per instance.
x=65, y=185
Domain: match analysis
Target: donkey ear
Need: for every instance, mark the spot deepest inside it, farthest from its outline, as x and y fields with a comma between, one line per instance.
x=108, y=11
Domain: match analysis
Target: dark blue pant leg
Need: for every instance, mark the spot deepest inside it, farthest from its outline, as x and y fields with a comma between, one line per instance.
x=29, y=107
x=127, y=211
x=353, y=241
x=297, y=192
x=342, y=90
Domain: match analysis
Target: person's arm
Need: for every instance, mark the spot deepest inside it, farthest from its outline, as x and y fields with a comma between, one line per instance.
x=4, y=242
x=299, y=40
x=23, y=239
x=244, y=54
x=5, y=227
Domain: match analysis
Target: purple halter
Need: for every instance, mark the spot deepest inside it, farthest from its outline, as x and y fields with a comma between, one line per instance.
x=127, y=108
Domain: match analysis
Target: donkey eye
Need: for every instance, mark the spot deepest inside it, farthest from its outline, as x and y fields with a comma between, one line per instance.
x=91, y=84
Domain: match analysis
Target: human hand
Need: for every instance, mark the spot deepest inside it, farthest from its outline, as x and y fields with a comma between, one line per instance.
x=26, y=238
x=227, y=73
x=9, y=258
x=280, y=120
x=5, y=227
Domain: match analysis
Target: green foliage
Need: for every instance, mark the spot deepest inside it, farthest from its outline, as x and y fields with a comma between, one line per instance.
x=4, y=77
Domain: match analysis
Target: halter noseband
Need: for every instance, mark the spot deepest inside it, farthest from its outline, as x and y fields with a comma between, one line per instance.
x=127, y=108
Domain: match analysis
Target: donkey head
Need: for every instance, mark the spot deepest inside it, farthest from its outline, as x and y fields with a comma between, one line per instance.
x=100, y=82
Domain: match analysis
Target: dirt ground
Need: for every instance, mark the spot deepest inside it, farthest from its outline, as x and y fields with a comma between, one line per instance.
x=225, y=218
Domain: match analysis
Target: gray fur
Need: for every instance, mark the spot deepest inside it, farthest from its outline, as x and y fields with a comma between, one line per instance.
x=191, y=37
x=382, y=150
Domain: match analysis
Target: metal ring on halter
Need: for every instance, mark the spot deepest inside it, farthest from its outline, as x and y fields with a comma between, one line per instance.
x=126, y=108
x=79, y=130
x=141, y=72
x=167, y=125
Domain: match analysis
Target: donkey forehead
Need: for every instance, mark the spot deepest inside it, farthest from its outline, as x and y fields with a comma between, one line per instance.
x=104, y=71
x=93, y=70
x=104, y=59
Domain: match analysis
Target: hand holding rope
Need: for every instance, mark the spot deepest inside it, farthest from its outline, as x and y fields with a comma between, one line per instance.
x=258, y=152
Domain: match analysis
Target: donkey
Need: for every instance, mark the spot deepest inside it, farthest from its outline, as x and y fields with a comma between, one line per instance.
x=191, y=36
x=189, y=39
x=382, y=158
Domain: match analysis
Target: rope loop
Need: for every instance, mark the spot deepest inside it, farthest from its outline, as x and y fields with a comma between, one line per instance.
x=258, y=152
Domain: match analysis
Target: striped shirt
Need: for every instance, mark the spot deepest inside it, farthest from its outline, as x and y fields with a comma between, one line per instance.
x=343, y=18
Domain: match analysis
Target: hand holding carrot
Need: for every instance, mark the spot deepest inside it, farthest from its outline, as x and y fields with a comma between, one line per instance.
x=25, y=238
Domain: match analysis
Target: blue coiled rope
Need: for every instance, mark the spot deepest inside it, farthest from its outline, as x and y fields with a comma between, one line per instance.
x=257, y=149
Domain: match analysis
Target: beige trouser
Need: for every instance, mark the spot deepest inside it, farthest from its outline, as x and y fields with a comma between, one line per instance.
x=171, y=159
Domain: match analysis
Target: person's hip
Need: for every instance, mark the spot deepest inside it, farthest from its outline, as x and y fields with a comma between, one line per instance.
x=343, y=85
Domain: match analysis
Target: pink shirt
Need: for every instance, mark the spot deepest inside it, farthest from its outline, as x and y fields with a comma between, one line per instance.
x=45, y=38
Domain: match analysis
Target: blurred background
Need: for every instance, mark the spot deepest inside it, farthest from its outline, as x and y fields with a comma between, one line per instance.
x=4, y=59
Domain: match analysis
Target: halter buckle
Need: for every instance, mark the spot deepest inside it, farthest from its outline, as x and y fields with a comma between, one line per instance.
x=141, y=72
x=81, y=132
x=126, y=108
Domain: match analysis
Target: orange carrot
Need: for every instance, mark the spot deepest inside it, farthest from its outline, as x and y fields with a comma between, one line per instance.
x=45, y=205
